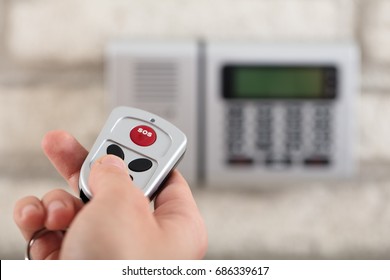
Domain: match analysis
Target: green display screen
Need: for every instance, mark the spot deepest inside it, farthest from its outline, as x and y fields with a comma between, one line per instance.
x=286, y=82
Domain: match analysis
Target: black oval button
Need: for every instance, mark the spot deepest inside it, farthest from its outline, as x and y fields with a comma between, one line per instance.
x=140, y=165
x=116, y=151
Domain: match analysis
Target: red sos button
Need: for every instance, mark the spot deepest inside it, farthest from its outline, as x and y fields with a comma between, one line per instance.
x=143, y=135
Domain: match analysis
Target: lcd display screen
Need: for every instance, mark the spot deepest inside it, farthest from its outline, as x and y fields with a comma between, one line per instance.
x=279, y=82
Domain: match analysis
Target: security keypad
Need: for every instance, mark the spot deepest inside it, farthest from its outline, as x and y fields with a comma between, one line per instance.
x=275, y=134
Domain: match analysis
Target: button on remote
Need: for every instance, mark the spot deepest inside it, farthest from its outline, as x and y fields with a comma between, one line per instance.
x=143, y=135
x=115, y=150
x=140, y=165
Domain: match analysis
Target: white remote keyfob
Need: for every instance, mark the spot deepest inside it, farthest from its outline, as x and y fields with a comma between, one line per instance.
x=150, y=146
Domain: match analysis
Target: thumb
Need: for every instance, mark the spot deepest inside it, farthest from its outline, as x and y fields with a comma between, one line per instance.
x=116, y=208
x=109, y=181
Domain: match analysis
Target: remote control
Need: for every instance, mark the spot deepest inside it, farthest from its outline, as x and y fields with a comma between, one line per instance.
x=149, y=145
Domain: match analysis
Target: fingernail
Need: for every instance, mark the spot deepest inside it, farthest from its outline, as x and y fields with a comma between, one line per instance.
x=113, y=161
x=28, y=209
x=55, y=205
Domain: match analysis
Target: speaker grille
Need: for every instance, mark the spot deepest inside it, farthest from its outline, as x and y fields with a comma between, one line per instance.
x=155, y=80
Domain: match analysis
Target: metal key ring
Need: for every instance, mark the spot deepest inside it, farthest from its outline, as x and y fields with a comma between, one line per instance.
x=38, y=234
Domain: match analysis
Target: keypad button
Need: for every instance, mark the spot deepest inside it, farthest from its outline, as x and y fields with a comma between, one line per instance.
x=286, y=161
x=140, y=165
x=317, y=161
x=115, y=150
x=240, y=160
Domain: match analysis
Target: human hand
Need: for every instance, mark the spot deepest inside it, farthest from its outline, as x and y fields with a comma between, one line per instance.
x=118, y=222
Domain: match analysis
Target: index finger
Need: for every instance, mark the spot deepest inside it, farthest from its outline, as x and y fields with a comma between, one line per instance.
x=66, y=154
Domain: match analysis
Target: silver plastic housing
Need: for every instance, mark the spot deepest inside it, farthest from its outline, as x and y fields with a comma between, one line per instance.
x=165, y=153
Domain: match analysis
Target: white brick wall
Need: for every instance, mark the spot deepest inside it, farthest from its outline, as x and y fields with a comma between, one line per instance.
x=77, y=30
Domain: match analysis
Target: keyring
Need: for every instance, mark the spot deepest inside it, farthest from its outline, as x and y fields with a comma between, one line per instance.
x=38, y=234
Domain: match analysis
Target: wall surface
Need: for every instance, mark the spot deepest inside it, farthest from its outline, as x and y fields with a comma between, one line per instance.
x=55, y=49
x=52, y=77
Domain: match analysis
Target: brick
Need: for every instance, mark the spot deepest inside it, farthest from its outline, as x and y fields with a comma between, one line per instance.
x=376, y=78
x=374, y=128
x=28, y=112
x=379, y=12
x=2, y=21
x=377, y=43
x=377, y=32
x=77, y=30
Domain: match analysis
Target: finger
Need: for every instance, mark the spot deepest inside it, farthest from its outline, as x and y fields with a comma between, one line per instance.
x=29, y=215
x=110, y=184
x=66, y=154
x=55, y=212
x=61, y=207
x=117, y=211
x=46, y=245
